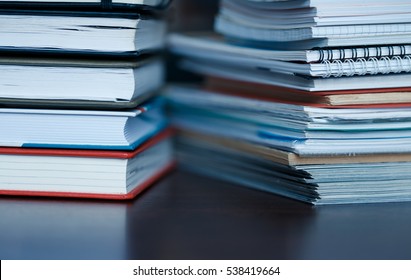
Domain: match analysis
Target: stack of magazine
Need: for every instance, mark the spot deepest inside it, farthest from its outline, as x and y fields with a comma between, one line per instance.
x=79, y=115
x=307, y=99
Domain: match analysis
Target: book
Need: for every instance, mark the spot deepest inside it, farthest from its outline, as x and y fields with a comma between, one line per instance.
x=323, y=7
x=81, y=129
x=391, y=97
x=91, y=4
x=297, y=14
x=317, y=184
x=189, y=43
x=307, y=25
x=95, y=33
x=85, y=173
x=225, y=144
x=86, y=83
x=303, y=130
x=245, y=57
x=316, y=36
x=300, y=82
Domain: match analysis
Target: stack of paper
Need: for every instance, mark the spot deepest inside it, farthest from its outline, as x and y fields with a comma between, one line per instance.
x=79, y=115
x=306, y=99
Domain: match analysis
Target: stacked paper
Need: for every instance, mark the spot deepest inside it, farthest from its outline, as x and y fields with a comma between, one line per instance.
x=306, y=99
x=80, y=114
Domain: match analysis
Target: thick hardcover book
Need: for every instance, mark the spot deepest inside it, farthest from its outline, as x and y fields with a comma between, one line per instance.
x=85, y=173
x=78, y=83
x=79, y=32
x=81, y=129
x=105, y=5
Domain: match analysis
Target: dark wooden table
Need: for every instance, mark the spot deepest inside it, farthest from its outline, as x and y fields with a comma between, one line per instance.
x=186, y=216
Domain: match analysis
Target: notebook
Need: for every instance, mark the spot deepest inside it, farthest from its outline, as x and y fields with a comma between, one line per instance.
x=87, y=83
x=303, y=130
x=97, y=33
x=349, y=6
x=208, y=141
x=81, y=129
x=282, y=14
x=189, y=43
x=246, y=57
x=85, y=174
x=300, y=82
x=317, y=184
x=378, y=98
x=314, y=37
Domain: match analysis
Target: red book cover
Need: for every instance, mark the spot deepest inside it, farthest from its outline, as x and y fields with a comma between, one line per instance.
x=92, y=154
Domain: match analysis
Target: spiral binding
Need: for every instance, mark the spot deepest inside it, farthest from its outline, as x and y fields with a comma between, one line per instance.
x=362, y=66
x=353, y=53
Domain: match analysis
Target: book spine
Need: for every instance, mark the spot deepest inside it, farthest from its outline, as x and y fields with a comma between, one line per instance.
x=366, y=52
x=363, y=66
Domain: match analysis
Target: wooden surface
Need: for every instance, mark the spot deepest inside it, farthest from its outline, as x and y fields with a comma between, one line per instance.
x=186, y=216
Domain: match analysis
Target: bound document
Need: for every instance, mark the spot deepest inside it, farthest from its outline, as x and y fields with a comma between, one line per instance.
x=78, y=83
x=368, y=61
x=81, y=129
x=366, y=98
x=314, y=180
x=303, y=130
x=210, y=44
x=95, y=33
x=85, y=173
x=313, y=24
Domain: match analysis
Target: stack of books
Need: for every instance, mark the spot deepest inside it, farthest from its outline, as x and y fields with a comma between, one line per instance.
x=79, y=112
x=307, y=99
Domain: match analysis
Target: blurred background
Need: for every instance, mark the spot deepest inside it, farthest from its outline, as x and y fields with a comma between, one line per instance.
x=192, y=15
x=188, y=16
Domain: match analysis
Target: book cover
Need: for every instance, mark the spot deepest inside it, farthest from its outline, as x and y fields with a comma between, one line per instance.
x=85, y=174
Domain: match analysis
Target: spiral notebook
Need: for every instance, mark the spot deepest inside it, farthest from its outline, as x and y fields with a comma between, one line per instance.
x=299, y=82
x=191, y=43
x=330, y=63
